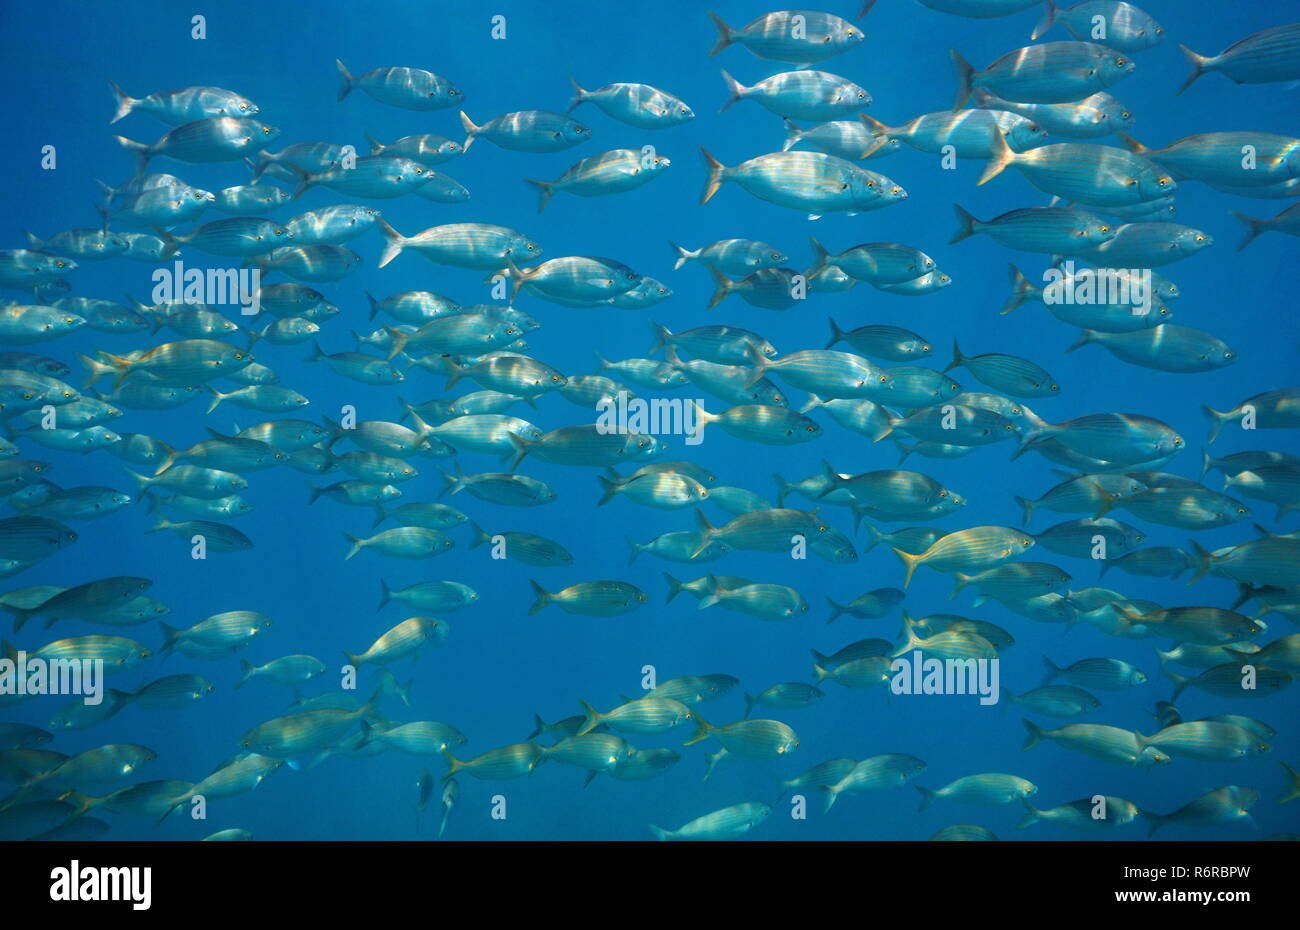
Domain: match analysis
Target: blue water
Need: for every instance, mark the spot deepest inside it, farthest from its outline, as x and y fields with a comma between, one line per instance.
x=499, y=667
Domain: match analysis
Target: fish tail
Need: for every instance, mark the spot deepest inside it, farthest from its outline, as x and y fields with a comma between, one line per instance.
x=866, y=8
x=792, y=134
x=910, y=562
x=246, y=670
x=217, y=398
x=171, y=245
x=170, y=635
x=161, y=524
x=821, y=258
x=1032, y=814
x=737, y=91
x=716, y=175
x=965, y=74
x=927, y=797
x=833, y=479
x=352, y=659
x=1033, y=734
x=873, y=537
x=725, y=34
x=142, y=151
x=962, y=581
x=1292, y=791
x=1052, y=671
x=545, y=196
x=345, y=78
x=702, y=729
x=659, y=832
x=521, y=445
x=1157, y=820
x=837, y=610
x=832, y=794
x=891, y=423
x=1047, y=22
x=837, y=334
x=399, y=338
x=758, y=364
x=783, y=488
x=1253, y=228
x=168, y=461
x=683, y=256
x=1217, y=420
x=478, y=536
x=608, y=486
x=375, y=145
x=454, y=765
x=957, y=359
x=394, y=242
x=965, y=224
x=1085, y=336
x=471, y=131
x=634, y=548
x=1020, y=290
x=675, y=587
x=1198, y=68
x=96, y=369
x=124, y=103
x=1200, y=561
x=21, y=616
x=1180, y=683
x=590, y=719
x=1001, y=158
x=1038, y=427
x=541, y=598
x=355, y=543
x=385, y=593
x=579, y=95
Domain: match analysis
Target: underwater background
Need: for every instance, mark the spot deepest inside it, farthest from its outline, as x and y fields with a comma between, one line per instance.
x=499, y=667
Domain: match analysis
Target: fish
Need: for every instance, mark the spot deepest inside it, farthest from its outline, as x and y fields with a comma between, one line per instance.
x=408, y=88
x=1268, y=56
x=813, y=182
x=1053, y=72
x=727, y=823
x=1218, y=806
x=808, y=95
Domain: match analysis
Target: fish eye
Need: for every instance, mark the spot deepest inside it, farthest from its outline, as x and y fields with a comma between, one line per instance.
x=1163, y=181
x=555, y=377
x=69, y=319
x=1200, y=238
x=871, y=185
x=1105, y=229
x=1121, y=62
x=239, y=355
x=884, y=378
x=266, y=130
x=1125, y=115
